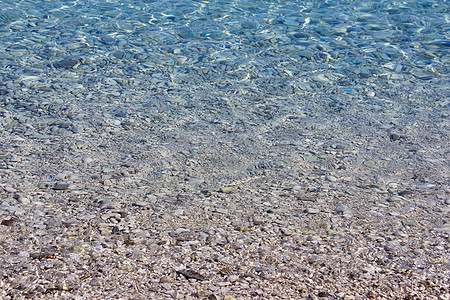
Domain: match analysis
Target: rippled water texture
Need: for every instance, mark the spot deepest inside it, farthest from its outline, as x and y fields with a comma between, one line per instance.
x=220, y=149
x=236, y=65
x=261, y=42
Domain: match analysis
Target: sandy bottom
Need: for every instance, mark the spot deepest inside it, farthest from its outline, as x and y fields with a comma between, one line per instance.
x=319, y=201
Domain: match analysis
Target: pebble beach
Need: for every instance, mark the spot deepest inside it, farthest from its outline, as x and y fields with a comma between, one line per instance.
x=224, y=150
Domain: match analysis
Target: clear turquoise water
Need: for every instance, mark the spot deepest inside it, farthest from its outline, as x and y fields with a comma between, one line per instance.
x=264, y=39
x=234, y=64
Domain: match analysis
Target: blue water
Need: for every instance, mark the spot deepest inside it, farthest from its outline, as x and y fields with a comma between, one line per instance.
x=355, y=38
x=301, y=145
x=233, y=67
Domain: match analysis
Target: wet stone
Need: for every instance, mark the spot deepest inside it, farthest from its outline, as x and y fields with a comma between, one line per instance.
x=8, y=222
x=394, y=137
x=217, y=150
x=409, y=222
x=227, y=190
x=370, y=164
x=312, y=210
x=69, y=62
x=61, y=186
x=395, y=198
x=10, y=189
x=340, y=208
x=108, y=204
x=331, y=178
x=443, y=228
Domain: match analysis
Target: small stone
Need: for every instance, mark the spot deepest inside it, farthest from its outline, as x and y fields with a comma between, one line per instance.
x=212, y=297
x=395, y=198
x=69, y=62
x=233, y=278
x=8, y=222
x=324, y=294
x=244, y=228
x=331, y=178
x=108, y=204
x=313, y=238
x=426, y=186
x=341, y=208
x=140, y=203
x=24, y=200
x=306, y=54
x=70, y=221
x=221, y=210
x=165, y=279
x=202, y=293
x=347, y=215
x=178, y=212
x=87, y=160
x=409, y=222
x=287, y=231
x=61, y=186
x=312, y=158
x=391, y=247
x=312, y=210
x=196, y=181
x=9, y=189
x=443, y=228
x=394, y=137
x=227, y=190
x=370, y=164
x=258, y=221
x=191, y=274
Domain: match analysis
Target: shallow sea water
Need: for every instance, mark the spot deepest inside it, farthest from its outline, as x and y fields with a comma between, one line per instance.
x=157, y=141
x=255, y=77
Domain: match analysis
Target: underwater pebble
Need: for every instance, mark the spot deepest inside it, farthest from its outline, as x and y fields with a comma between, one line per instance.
x=227, y=190
x=60, y=186
x=173, y=148
x=340, y=208
x=395, y=198
x=312, y=210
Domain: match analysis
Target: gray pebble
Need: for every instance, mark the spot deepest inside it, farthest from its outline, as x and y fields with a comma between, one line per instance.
x=108, y=204
x=140, y=203
x=443, y=228
x=331, y=178
x=221, y=210
x=70, y=221
x=341, y=208
x=9, y=189
x=287, y=231
x=312, y=210
x=426, y=186
x=391, y=247
x=395, y=198
x=306, y=54
x=22, y=199
x=178, y=212
x=60, y=186
x=68, y=63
